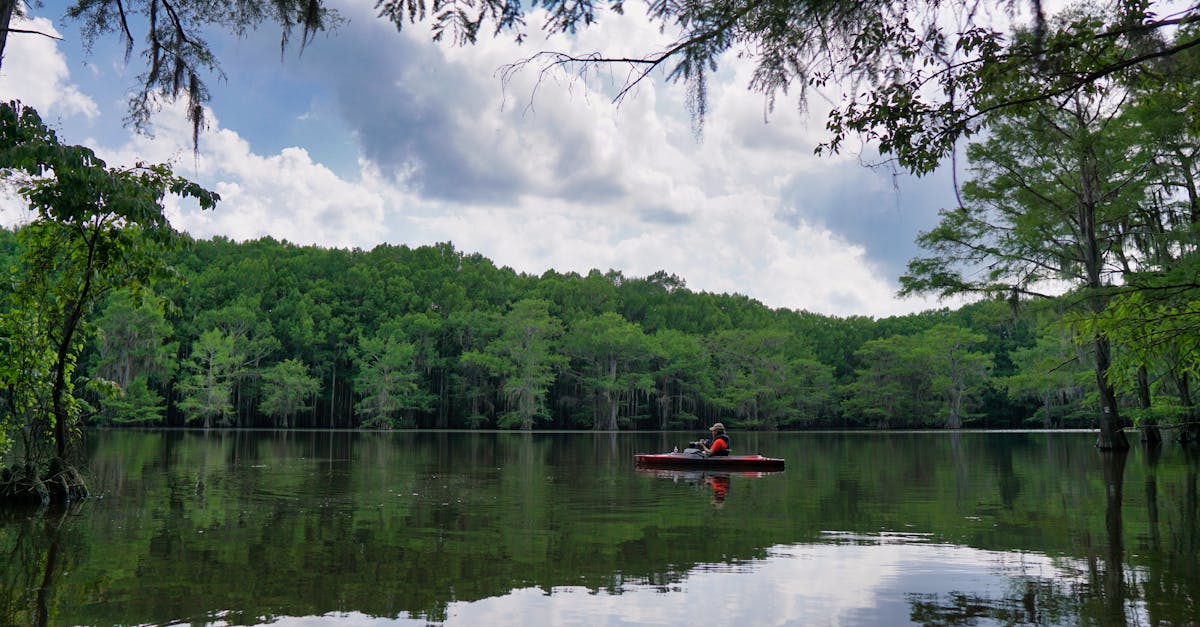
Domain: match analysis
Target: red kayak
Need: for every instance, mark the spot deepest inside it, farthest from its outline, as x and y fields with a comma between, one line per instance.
x=695, y=460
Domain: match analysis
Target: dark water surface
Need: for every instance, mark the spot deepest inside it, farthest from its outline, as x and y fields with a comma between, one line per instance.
x=315, y=528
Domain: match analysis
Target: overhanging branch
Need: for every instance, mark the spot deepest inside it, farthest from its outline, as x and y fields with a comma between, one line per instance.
x=24, y=31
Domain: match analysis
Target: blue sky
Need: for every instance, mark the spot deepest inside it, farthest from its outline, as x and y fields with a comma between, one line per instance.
x=374, y=136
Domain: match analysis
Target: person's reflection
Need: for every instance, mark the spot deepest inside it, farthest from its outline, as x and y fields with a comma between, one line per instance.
x=720, y=487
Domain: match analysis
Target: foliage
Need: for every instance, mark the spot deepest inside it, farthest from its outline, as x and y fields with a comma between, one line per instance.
x=608, y=355
x=907, y=381
x=136, y=403
x=176, y=53
x=1052, y=203
x=678, y=365
x=524, y=357
x=96, y=229
x=916, y=76
x=387, y=377
x=131, y=341
x=398, y=362
x=26, y=366
x=207, y=387
x=893, y=388
x=1054, y=372
x=958, y=371
x=287, y=386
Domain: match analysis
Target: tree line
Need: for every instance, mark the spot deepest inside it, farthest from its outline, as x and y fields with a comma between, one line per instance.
x=270, y=334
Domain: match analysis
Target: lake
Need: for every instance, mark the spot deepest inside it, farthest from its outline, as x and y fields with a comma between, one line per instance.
x=366, y=528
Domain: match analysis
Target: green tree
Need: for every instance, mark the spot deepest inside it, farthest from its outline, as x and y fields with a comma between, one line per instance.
x=678, y=362
x=894, y=387
x=472, y=381
x=287, y=388
x=97, y=229
x=26, y=372
x=1054, y=372
x=207, y=388
x=1051, y=188
x=133, y=403
x=525, y=357
x=1152, y=317
x=608, y=355
x=426, y=332
x=388, y=379
x=815, y=392
x=245, y=323
x=753, y=376
x=131, y=341
x=959, y=373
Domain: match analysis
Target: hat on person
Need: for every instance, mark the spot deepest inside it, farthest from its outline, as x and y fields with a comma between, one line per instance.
x=717, y=427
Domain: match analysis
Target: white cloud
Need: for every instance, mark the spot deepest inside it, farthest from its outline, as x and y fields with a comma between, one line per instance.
x=534, y=175
x=285, y=195
x=35, y=72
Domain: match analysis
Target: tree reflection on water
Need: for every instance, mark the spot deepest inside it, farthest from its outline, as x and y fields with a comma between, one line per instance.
x=487, y=528
x=1160, y=592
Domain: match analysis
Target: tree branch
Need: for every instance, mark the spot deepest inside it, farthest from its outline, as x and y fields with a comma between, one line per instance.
x=30, y=32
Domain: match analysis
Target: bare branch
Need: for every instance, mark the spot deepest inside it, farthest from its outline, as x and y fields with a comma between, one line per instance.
x=30, y=32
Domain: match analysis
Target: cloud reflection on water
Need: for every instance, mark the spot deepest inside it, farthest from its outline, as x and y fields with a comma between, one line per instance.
x=852, y=580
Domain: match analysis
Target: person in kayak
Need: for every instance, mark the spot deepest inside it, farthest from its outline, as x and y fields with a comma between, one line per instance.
x=720, y=441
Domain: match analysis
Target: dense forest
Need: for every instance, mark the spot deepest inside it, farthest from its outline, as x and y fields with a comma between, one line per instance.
x=270, y=334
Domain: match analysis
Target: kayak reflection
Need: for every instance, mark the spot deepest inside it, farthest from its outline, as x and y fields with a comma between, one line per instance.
x=719, y=482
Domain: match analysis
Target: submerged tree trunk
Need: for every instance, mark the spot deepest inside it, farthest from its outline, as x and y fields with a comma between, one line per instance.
x=24, y=483
x=1113, y=586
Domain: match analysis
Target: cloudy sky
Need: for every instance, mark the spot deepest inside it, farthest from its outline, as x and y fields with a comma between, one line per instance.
x=372, y=136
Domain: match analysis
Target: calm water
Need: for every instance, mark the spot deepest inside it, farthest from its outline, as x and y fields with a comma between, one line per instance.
x=356, y=528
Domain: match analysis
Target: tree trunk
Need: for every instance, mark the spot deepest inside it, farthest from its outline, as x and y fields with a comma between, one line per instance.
x=1190, y=432
x=1047, y=421
x=956, y=401
x=1112, y=435
x=1150, y=433
x=664, y=407
x=443, y=419
x=7, y=8
x=606, y=412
